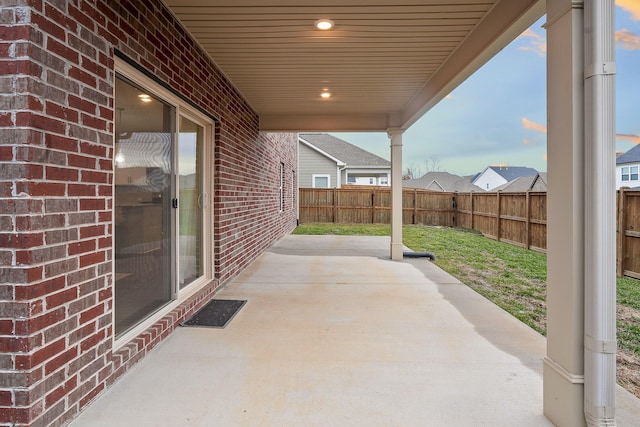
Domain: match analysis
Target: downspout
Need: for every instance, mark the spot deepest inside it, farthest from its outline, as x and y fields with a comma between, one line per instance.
x=600, y=250
x=339, y=173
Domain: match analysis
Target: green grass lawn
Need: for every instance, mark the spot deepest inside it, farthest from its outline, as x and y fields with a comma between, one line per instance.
x=512, y=277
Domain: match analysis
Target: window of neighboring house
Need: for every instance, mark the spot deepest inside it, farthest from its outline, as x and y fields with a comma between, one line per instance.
x=630, y=173
x=372, y=181
x=625, y=173
x=351, y=180
x=281, y=187
x=321, y=180
x=384, y=180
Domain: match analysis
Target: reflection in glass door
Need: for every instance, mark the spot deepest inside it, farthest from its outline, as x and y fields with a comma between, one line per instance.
x=143, y=207
x=190, y=195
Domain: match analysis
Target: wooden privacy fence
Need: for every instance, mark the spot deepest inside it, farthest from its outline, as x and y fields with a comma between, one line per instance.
x=516, y=218
x=628, y=233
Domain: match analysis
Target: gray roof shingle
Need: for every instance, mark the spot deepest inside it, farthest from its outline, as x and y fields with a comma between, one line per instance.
x=342, y=150
x=512, y=172
x=525, y=183
x=631, y=156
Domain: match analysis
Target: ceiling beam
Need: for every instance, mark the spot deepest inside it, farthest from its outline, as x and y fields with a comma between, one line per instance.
x=324, y=123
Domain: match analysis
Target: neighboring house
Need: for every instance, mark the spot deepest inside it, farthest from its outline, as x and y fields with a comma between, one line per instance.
x=536, y=182
x=495, y=176
x=325, y=161
x=627, y=168
x=442, y=181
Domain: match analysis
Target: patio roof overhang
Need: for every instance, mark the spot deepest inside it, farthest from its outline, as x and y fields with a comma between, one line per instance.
x=384, y=64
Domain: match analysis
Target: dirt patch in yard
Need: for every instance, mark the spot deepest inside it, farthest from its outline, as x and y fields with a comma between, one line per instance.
x=628, y=371
x=525, y=299
x=628, y=367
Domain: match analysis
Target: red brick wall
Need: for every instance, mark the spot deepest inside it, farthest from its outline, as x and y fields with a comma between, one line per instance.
x=56, y=230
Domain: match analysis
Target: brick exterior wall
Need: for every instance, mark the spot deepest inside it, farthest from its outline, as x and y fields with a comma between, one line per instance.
x=56, y=192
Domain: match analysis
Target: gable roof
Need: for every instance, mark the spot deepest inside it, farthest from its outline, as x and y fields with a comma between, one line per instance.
x=631, y=156
x=536, y=182
x=441, y=181
x=322, y=152
x=343, y=151
x=512, y=172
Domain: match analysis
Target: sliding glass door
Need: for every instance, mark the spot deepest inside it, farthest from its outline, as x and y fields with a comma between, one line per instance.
x=159, y=203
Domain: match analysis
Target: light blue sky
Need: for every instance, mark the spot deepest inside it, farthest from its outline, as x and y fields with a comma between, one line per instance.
x=498, y=115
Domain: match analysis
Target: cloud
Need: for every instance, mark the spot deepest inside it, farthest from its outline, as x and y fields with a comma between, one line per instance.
x=531, y=34
x=634, y=139
x=537, y=43
x=628, y=40
x=530, y=125
x=631, y=6
x=526, y=142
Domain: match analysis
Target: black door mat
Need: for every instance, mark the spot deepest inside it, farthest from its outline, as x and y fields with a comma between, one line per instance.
x=216, y=313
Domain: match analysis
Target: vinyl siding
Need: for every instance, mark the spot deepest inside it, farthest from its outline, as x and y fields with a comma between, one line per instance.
x=311, y=162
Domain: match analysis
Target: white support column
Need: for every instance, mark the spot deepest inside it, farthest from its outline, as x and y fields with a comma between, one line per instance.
x=600, y=210
x=396, y=193
x=564, y=362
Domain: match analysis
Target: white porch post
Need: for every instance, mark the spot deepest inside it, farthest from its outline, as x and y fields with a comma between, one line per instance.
x=600, y=210
x=564, y=362
x=396, y=193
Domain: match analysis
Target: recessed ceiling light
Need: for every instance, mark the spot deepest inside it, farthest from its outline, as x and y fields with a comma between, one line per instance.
x=324, y=24
x=144, y=97
x=325, y=95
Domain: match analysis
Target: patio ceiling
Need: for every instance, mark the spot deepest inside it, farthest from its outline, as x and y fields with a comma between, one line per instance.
x=384, y=64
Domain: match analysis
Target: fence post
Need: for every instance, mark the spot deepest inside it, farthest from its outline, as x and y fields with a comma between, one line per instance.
x=620, y=233
x=415, y=205
x=471, y=204
x=527, y=240
x=498, y=215
x=373, y=206
x=335, y=206
x=454, y=202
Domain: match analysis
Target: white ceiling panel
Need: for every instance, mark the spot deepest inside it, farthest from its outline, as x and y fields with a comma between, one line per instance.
x=384, y=64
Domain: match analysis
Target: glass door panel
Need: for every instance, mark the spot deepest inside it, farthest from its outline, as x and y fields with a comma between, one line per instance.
x=143, y=208
x=190, y=148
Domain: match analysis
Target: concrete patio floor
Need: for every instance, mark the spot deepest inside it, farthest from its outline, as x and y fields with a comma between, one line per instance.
x=336, y=334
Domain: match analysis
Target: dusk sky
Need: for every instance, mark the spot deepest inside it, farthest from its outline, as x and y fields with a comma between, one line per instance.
x=498, y=115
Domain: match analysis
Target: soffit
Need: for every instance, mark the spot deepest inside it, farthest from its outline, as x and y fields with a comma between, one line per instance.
x=385, y=64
